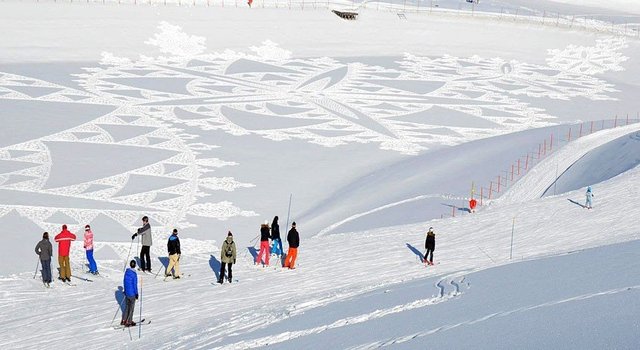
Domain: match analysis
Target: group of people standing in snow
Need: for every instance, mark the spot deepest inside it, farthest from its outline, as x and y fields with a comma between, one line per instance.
x=275, y=248
x=44, y=250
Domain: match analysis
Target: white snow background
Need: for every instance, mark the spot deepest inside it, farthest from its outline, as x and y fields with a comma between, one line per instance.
x=210, y=119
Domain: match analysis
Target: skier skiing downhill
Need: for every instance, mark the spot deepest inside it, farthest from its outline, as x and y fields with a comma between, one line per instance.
x=45, y=251
x=276, y=242
x=264, y=244
x=88, y=246
x=430, y=246
x=293, y=238
x=173, y=246
x=147, y=241
x=227, y=257
x=64, y=239
x=589, y=198
x=130, y=284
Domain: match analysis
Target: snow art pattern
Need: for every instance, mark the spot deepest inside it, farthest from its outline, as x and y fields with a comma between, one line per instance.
x=131, y=110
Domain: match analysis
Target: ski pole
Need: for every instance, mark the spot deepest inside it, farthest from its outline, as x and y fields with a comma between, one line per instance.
x=36, y=273
x=128, y=254
x=288, y=212
x=140, y=322
x=119, y=308
x=254, y=239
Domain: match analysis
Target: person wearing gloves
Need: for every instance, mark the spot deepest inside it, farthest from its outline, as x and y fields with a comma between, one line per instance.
x=227, y=257
x=45, y=250
x=173, y=246
x=147, y=241
x=293, y=238
x=88, y=247
x=130, y=284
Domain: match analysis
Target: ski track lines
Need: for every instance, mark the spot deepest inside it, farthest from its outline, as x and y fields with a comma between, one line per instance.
x=410, y=337
x=371, y=259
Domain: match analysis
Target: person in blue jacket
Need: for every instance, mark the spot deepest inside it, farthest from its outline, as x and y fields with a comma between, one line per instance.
x=130, y=284
x=589, y=198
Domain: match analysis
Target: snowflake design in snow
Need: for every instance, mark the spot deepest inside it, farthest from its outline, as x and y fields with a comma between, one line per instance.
x=605, y=56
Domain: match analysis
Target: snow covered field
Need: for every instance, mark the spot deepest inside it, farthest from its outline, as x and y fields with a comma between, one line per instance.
x=209, y=119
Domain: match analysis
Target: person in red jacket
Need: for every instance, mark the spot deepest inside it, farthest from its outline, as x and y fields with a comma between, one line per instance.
x=64, y=239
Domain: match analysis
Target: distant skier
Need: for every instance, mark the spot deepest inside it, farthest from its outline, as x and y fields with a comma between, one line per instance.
x=472, y=205
x=249, y=2
x=227, y=257
x=430, y=246
x=293, y=238
x=147, y=241
x=276, y=242
x=264, y=244
x=88, y=246
x=130, y=284
x=589, y=200
x=173, y=246
x=64, y=239
x=45, y=251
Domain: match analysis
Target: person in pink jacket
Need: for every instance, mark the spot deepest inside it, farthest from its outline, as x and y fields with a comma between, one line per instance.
x=88, y=247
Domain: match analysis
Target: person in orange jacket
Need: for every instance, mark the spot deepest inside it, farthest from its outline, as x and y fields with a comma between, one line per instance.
x=64, y=239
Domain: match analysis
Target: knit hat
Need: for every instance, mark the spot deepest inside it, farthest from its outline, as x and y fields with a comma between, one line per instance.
x=175, y=230
x=64, y=227
x=132, y=263
x=229, y=234
x=293, y=224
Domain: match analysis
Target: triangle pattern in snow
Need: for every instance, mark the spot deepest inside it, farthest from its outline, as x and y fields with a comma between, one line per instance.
x=125, y=132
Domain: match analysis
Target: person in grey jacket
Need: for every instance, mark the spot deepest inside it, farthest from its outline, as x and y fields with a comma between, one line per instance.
x=147, y=241
x=45, y=251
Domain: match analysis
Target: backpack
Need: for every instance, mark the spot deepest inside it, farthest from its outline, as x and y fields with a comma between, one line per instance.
x=229, y=252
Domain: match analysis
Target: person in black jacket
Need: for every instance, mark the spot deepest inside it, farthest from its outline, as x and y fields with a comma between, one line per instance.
x=173, y=246
x=430, y=246
x=275, y=238
x=293, y=238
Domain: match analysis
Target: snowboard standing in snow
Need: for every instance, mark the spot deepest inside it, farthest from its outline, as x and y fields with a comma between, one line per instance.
x=44, y=249
x=430, y=246
x=227, y=258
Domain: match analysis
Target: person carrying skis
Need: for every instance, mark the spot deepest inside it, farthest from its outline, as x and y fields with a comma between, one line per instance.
x=589, y=200
x=276, y=243
x=430, y=246
x=88, y=246
x=130, y=284
x=64, y=239
x=293, y=238
x=147, y=241
x=264, y=244
x=227, y=257
x=45, y=251
x=173, y=246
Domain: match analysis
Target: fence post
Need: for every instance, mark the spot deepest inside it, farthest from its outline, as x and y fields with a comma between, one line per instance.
x=551, y=143
x=481, y=194
x=627, y=118
x=615, y=122
x=591, y=132
x=490, y=189
x=602, y=127
x=526, y=164
x=569, y=138
x=453, y=211
x=499, y=178
x=580, y=135
x=511, y=172
x=518, y=172
x=539, y=146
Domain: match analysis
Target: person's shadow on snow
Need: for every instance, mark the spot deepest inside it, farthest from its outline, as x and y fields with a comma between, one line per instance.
x=215, y=266
x=415, y=251
x=119, y=295
x=164, y=261
x=576, y=203
x=254, y=252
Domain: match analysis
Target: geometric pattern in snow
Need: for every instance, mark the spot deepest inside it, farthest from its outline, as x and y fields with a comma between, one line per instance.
x=446, y=117
x=61, y=218
x=125, y=132
x=145, y=183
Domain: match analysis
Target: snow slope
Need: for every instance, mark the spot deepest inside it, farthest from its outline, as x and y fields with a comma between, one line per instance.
x=207, y=120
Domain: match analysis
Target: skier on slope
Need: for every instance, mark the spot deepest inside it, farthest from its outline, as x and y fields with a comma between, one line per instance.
x=589, y=198
x=147, y=241
x=130, y=284
x=472, y=205
x=276, y=242
x=430, y=246
x=293, y=238
x=264, y=244
x=64, y=239
x=173, y=246
x=88, y=246
x=45, y=251
x=227, y=257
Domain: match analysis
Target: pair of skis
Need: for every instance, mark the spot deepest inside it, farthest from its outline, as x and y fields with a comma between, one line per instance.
x=142, y=322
